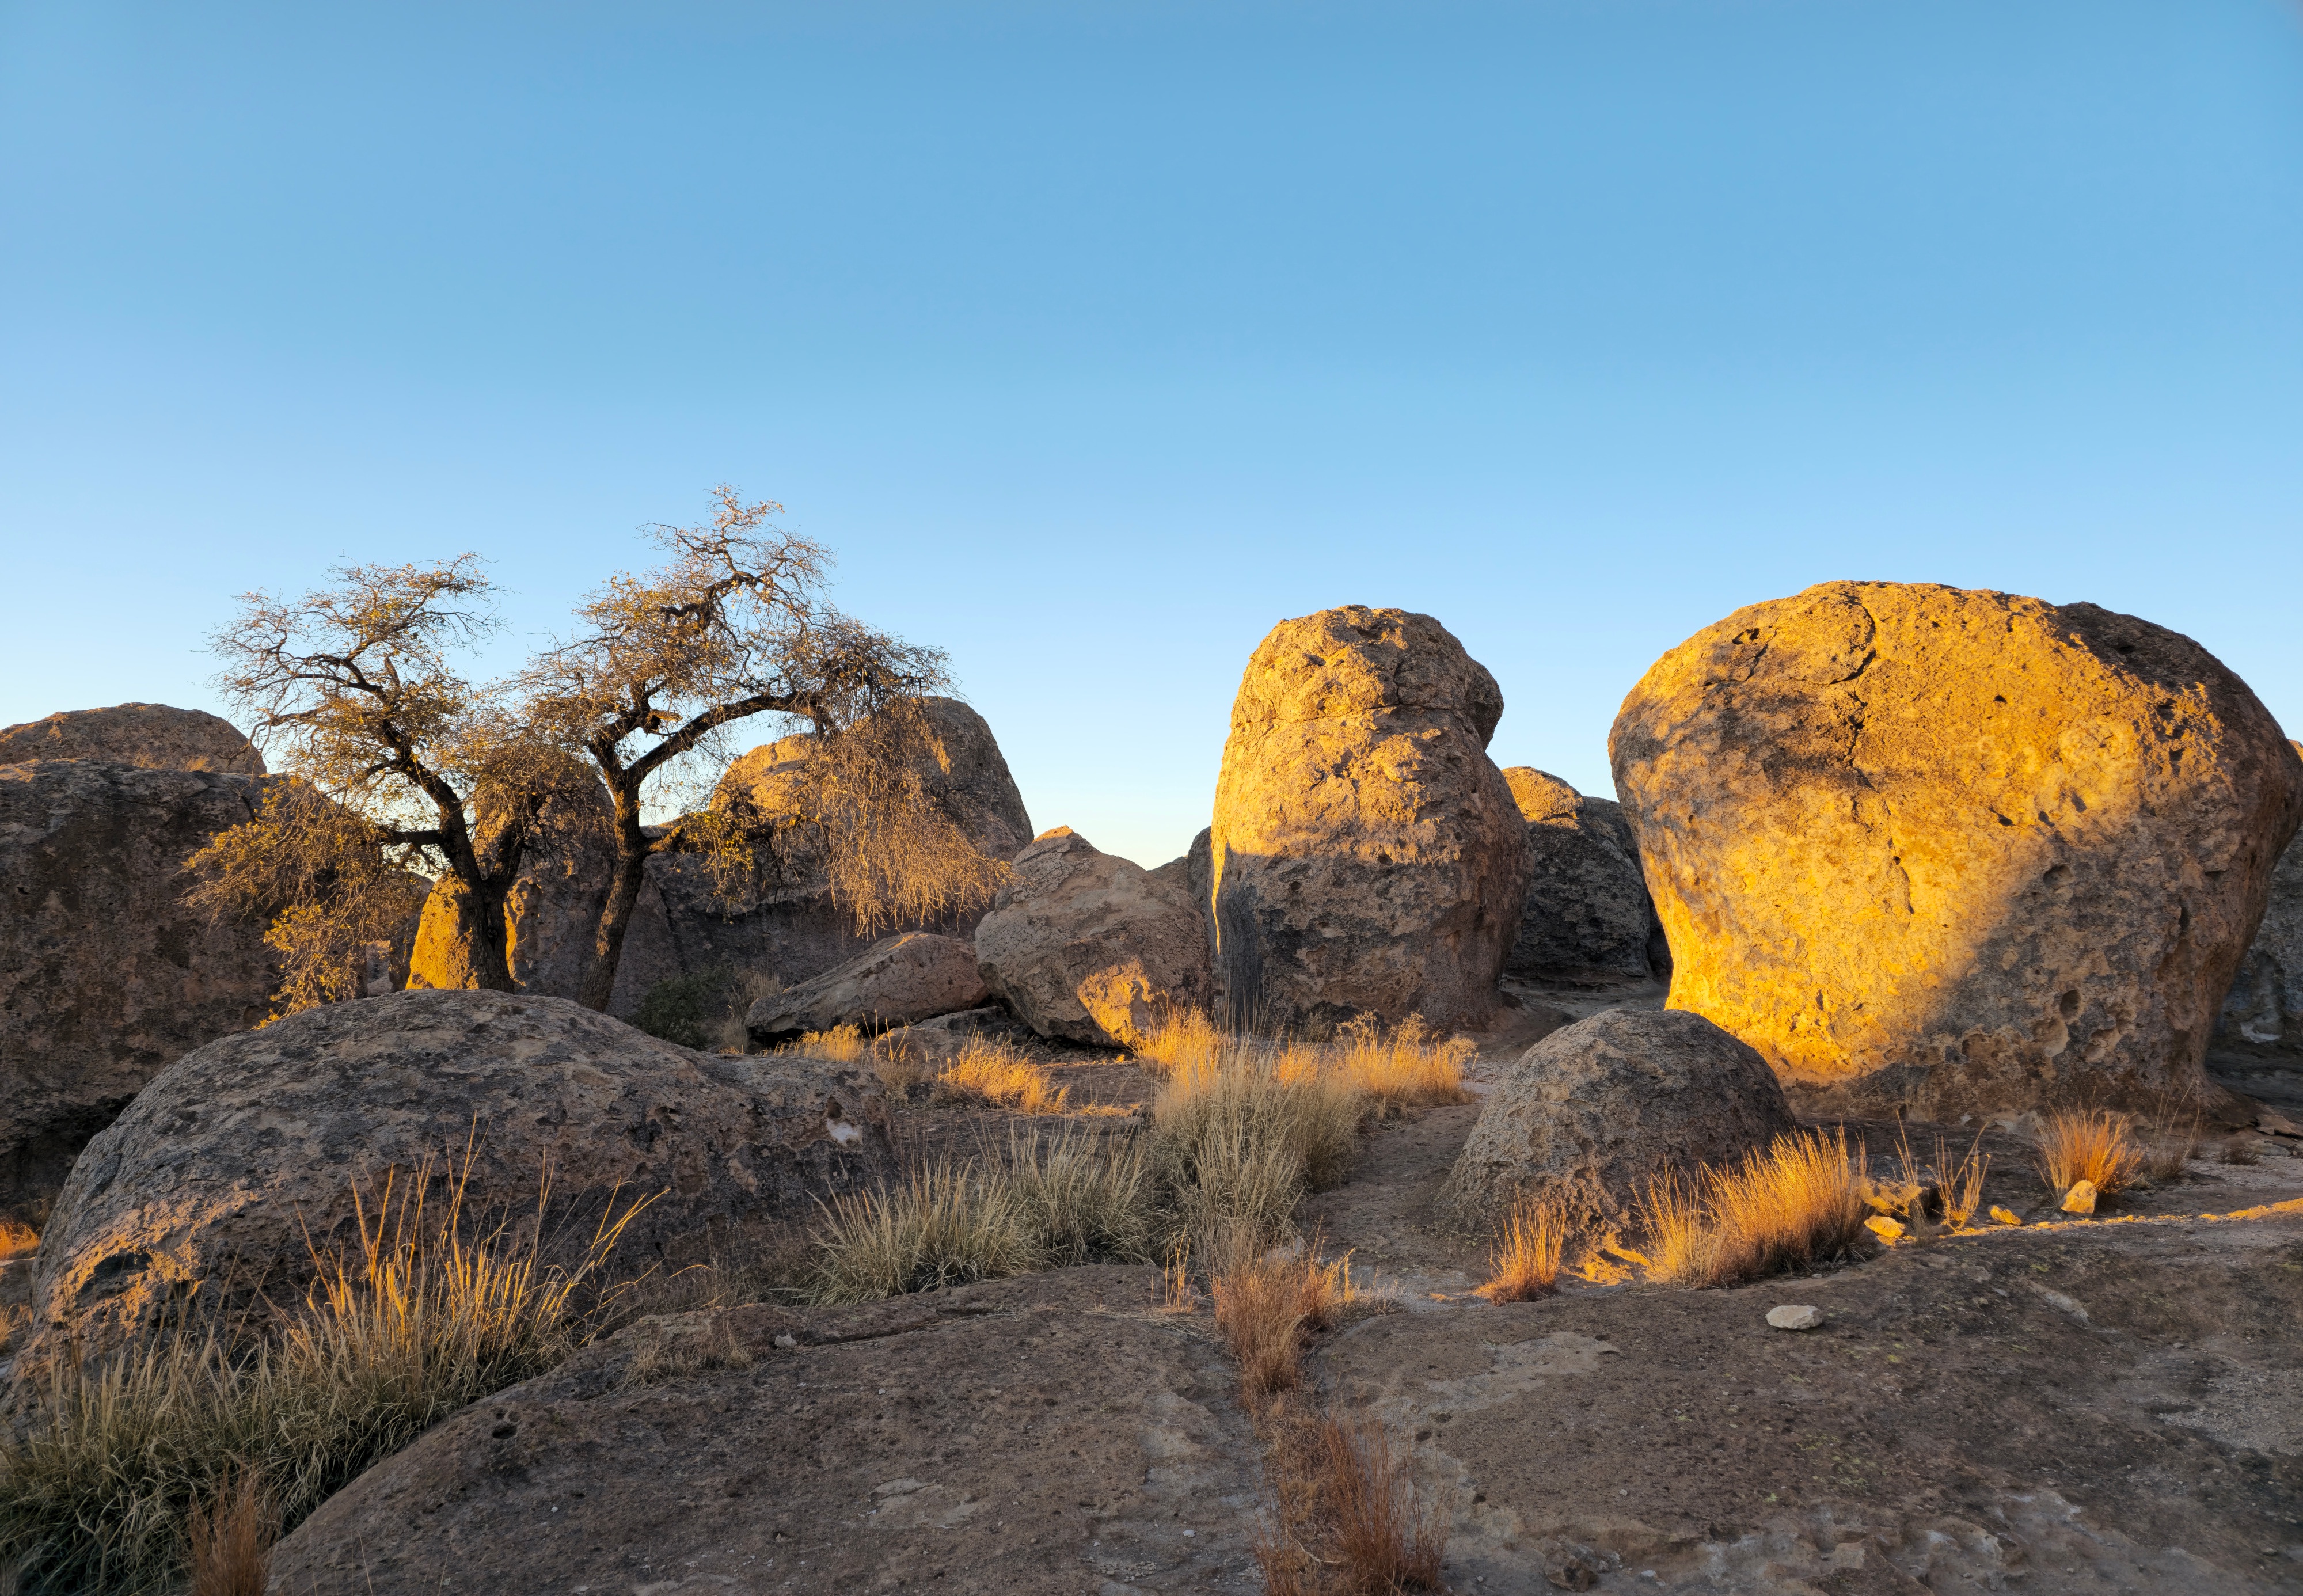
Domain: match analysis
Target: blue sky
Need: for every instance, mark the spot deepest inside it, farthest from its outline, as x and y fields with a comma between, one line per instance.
x=1098, y=338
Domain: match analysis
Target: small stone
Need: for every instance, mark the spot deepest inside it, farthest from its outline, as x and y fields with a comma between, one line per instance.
x=1796, y=1316
x=1884, y=1229
x=2081, y=1198
x=787, y=1342
x=2003, y=1216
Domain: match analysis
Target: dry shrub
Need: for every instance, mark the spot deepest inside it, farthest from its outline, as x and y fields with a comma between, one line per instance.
x=670, y=1350
x=1181, y=1039
x=2241, y=1150
x=1088, y=1198
x=945, y=1226
x=1411, y=1064
x=16, y=1237
x=1525, y=1264
x=2166, y=1155
x=231, y=1539
x=1393, y=1538
x=1004, y=1076
x=98, y=1491
x=841, y=1044
x=1265, y=1305
x=2094, y=1145
x=1959, y=1187
x=900, y=1062
x=1800, y=1202
x=1233, y=1140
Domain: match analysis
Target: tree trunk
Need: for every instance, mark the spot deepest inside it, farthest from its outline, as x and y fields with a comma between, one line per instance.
x=459, y=943
x=616, y=914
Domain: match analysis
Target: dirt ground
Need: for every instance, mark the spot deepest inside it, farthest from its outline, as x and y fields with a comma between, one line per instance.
x=2056, y=1408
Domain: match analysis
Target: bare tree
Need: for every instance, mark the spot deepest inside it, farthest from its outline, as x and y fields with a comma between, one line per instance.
x=734, y=624
x=352, y=688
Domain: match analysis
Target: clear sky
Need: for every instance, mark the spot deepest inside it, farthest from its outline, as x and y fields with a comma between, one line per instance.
x=1097, y=338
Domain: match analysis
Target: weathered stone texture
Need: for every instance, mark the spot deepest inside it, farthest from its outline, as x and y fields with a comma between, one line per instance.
x=1366, y=854
x=1594, y=1113
x=1588, y=916
x=207, y=1188
x=148, y=736
x=107, y=973
x=1956, y=851
x=1090, y=946
x=900, y=980
x=2266, y=1003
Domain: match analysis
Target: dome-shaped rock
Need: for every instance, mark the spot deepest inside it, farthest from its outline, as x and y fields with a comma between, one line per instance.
x=1959, y=851
x=1367, y=855
x=148, y=736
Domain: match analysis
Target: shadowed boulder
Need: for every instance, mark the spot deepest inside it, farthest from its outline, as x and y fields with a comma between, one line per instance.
x=1366, y=854
x=1593, y=1113
x=900, y=979
x=1956, y=851
x=205, y=1191
x=2265, y=1007
x=1588, y=916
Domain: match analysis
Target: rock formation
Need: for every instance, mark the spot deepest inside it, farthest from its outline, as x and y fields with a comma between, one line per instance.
x=900, y=980
x=2264, y=1006
x=1588, y=916
x=1019, y=1436
x=782, y=918
x=107, y=973
x=147, y=736
x=206, y=1188
x=1367, y=857
x=1957, y=851
x=1091, y=948
x=1593, y=1113
x=551, y=914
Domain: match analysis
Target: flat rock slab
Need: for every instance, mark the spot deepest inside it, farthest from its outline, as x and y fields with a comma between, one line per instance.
x=1048, y=1434
x=1949, y=1428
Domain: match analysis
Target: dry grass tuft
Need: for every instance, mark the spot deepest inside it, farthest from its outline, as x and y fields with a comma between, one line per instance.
x=1393, y=1538
x=1959, y=1187
x=1182, y=1039
x=841, y=1044
x=1002, y=1076
x=2166, y=1155
x=231, y=1539
x=1087, y=1197
x=1260, y=1312
x=945, y=1226
x=670, y=1350
x=1525, y=1264
x=16, y=1237
x=1411, y=1064
x=1234, y=1141
x=2094, y=1145
x=1801, y=1200
x=100, y=1490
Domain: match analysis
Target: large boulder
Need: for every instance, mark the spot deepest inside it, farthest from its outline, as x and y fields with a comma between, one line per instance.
x=148, y=736
x=1033, y=1437
x=1593, y=1113
x=901, y=979
x=1367, y=857
x=1588, y=916
x=107, y=973
x=1956, y=851
x=2264, y=1006
x=244, y=1156
x=552, y=912
x=1091, y=948
x=781, y=918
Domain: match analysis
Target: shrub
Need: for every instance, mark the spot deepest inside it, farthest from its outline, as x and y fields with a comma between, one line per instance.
x=1526, y=1260
x=1233, y=1140
x=2094, y=1145
x=100, y=1490
x=1087, y=1200
x=841, y=1044
x=1004, y=1076
x=945, y=1226
x=688, y=1010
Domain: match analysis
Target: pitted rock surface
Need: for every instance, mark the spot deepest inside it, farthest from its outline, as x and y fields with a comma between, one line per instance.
x=1956, y=851
x=900, y=981
x=107, y=973
x=1367, y=855
x=1588, y=916
x=1593, y=1113
x=147, y=736
x=1093, y=948
x=2266, y=1003
x=210, y=1183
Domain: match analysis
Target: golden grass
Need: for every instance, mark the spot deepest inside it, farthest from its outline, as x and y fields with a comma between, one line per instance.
x=841, y=1044
x=1525, y=1262
x=2094, y=1145
x=1182, y=1039
x=1410, y=1064
x=100, y=1490
x=1004, y=1076
x=16, y=1237
x=231, y=1539
x=945, y=1226
x=1088, y=1198
x=1392, y=1536
x=1959, y=1186
x=1798, y=1203
x=1232, y=1140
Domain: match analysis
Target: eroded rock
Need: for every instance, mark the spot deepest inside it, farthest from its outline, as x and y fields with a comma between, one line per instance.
x=1588, y=916
x=1367, y=857
x=2264, y=1006
x=1594, y=1113
x=1091, y=948
x=147, y=736
x=900, y=979
x=1956, y=851
x=107, y=973
x=205, y=1189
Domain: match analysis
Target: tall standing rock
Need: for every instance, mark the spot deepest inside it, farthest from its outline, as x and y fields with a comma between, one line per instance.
x=148, y=736
x=1366, y=854
x=1955, y=850
x=2266, y=1003
x=782, y=918
x=1588, y=916
x=107, y=973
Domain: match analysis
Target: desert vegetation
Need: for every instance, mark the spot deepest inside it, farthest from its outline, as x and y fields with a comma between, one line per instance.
x=186, y=1455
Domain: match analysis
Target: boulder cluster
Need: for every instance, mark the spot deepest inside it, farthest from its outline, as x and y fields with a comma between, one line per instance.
x=1894, y=848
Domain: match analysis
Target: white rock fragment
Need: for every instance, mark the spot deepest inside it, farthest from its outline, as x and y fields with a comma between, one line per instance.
x=1796, y=1316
